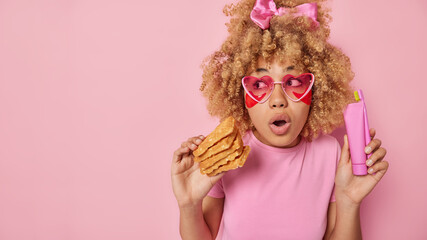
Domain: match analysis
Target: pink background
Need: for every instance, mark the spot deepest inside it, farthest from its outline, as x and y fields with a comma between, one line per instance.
x=96, y=95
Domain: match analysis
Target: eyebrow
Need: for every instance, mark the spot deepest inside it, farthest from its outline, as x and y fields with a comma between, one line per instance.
x=289, y=68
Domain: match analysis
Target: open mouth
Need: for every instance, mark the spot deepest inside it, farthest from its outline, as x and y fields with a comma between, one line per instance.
x=279, y=123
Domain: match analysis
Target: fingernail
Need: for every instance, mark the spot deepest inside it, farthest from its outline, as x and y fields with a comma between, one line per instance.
x=370, y=170
x=367, y=149
x=198, y=141
x=369, y=162
x=193, y=145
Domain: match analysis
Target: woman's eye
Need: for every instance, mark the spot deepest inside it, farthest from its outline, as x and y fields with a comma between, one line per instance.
x=259, y=84
x=293, y=82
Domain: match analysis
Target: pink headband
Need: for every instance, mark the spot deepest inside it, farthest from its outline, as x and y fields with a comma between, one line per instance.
x=264, y=10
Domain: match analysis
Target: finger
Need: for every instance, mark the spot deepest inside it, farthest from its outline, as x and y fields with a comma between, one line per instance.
x=192, y=146
x=189, y=143
x=177, y=155
x=196, y=140
x=379, y=169
x=196, y=137
x=372, y=145
x=345, y=153
x=372, y=133
x=376, y=156
x=216, y=178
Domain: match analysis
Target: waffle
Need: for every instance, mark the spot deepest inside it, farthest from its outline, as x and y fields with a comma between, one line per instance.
x=222, y=150
x=238, y=162
x=224, y=129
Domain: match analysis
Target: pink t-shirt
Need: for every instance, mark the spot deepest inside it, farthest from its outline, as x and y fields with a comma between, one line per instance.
x=280, y=193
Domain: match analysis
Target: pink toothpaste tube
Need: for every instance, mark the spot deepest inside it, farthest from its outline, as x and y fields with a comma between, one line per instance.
x=357, y=127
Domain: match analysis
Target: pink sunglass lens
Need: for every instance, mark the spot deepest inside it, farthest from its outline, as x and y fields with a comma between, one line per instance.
x=295, y=87
x=258, y=88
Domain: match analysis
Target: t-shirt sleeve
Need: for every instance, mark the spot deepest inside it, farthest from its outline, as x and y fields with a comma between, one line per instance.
x=338, y=156
x=217, y=190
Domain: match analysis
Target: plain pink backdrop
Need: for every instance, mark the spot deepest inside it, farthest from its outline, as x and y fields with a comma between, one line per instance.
x=96, y=95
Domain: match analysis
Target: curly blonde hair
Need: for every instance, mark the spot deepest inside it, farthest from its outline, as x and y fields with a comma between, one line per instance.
x=287, y=36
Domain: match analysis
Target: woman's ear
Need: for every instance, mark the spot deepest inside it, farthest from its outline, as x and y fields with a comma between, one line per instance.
x=244, y=98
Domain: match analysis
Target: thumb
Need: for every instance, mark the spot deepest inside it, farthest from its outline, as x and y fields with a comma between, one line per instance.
x=216, y=178
x=345, y=152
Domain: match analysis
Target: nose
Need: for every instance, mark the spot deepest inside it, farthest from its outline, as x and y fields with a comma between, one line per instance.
x=278, y=97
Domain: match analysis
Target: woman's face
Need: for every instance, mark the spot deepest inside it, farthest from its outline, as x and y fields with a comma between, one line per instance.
x=268, y=117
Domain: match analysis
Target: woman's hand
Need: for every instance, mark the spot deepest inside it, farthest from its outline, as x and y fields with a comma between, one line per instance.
x=353, y=188
x=189, y=185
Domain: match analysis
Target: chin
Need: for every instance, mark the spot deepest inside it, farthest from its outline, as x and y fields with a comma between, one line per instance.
x=280, y=141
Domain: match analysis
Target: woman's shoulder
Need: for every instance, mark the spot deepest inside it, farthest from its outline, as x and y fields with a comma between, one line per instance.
x=324, y=140
x=326, y=147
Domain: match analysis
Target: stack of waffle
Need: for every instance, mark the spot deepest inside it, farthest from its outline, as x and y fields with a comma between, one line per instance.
x=222, y=149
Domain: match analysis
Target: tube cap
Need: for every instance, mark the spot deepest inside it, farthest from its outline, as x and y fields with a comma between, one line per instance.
x=360, y=169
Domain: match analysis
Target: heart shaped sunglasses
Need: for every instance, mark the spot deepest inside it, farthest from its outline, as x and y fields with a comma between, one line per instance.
x=296, y=88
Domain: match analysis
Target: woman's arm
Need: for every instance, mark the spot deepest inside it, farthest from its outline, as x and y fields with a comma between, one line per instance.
x=350, y=189
x=332, y=214
x=347, y=222
x=201, y=221
x=191, y=188
x=212, y=212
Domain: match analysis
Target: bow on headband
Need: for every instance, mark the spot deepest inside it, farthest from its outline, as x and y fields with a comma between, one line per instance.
x=264, y=10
